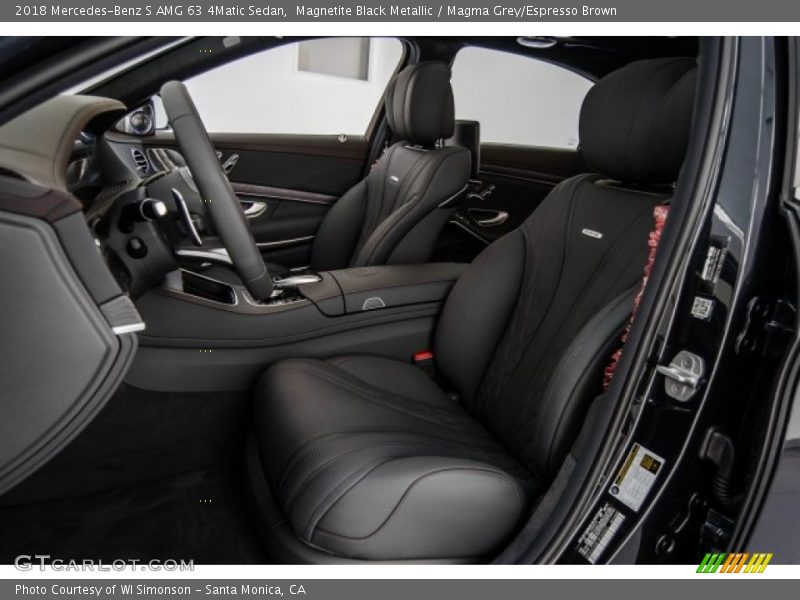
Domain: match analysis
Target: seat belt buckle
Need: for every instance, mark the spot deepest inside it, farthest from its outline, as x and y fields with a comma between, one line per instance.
x=424, y=360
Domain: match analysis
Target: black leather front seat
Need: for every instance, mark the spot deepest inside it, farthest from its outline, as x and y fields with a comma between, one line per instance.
x=361, y=457
x=396, y=213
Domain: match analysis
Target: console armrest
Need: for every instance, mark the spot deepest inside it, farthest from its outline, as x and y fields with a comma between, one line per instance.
x=349, y=291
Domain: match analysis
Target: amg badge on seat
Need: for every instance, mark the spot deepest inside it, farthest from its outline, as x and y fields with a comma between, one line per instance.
x=592, y=233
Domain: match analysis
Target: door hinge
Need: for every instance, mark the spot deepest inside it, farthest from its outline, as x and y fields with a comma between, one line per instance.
x=715, y=532
x=768, y=327
x=681, y=529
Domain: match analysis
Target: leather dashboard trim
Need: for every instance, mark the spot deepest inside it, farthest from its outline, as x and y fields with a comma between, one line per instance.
x=38, y=144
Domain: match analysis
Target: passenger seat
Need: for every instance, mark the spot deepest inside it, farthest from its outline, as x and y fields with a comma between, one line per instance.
x=364, y=458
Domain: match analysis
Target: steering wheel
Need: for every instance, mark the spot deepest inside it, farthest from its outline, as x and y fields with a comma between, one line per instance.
x=223, y=205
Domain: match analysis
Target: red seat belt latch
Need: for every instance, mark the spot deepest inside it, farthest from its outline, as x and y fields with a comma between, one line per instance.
x=424, y=360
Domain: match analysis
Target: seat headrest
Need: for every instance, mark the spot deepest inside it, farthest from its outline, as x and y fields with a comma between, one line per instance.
x=634, y=123
x=419, y=103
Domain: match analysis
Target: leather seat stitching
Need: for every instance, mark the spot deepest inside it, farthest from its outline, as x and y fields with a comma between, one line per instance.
x=528, y=338
x=338, y=379
x=562, y=373
x=512, y=482
x=412, y=202
x=320, y=469
x=459, y=449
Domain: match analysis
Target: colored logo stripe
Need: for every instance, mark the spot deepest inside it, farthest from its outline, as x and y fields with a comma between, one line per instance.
x=758, y=563
x=734, y=563
x=711, y=563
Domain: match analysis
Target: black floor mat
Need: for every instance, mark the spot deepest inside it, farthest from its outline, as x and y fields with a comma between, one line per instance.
x=196, y=516
x=155, y=476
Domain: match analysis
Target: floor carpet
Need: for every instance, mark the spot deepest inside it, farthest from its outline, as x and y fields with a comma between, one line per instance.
x=155, y=476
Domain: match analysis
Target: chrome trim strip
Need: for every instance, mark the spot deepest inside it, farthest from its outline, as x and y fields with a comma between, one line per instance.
x=295, y=280
x=281, y=243
x=498, y=216
x=186, y=217
x=122, y=316
x=269, y=196
x=130, y=328
x=213, y=254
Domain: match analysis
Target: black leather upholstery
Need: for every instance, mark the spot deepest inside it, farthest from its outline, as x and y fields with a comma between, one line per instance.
x=639, y=133
x=548, y=280
x=419, y=103
x=376, y=221
x=369, y=459
x=394, y=215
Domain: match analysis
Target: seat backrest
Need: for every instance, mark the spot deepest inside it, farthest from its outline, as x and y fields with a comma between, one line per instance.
x=395, y=214
x=529, y=326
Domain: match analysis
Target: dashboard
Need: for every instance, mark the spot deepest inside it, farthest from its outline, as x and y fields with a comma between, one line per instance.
x=141, y=204
x=55, y=144
x=71, y=143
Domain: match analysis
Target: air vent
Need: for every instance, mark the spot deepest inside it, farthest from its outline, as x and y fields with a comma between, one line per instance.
x=140, y=159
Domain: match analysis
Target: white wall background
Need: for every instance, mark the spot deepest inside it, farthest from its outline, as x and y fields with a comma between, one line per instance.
x=518, y=100
x=266, y=93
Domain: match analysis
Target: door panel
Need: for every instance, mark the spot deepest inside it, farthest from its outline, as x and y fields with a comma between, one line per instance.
x=522, y=176
x=284, y=221
x=287, y=182
x=308, y=163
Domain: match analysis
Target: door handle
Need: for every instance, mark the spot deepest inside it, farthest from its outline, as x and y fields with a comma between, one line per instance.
x=253, y=208
x=230, y=163
x=488, y=218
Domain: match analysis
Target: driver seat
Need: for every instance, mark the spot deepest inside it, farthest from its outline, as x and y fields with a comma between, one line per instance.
x=363, y=458
x=395, y=214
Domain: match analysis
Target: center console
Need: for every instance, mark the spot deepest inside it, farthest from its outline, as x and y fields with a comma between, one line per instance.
x=353, y=291
x=203, y=333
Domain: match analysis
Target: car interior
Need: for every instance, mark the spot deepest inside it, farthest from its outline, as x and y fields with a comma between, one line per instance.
x=297, y=348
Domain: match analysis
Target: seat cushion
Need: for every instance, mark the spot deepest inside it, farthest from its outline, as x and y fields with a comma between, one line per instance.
x=368, y=458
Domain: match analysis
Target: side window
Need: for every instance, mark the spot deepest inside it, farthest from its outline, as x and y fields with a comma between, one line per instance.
x=518, y=100
x=325, y=86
